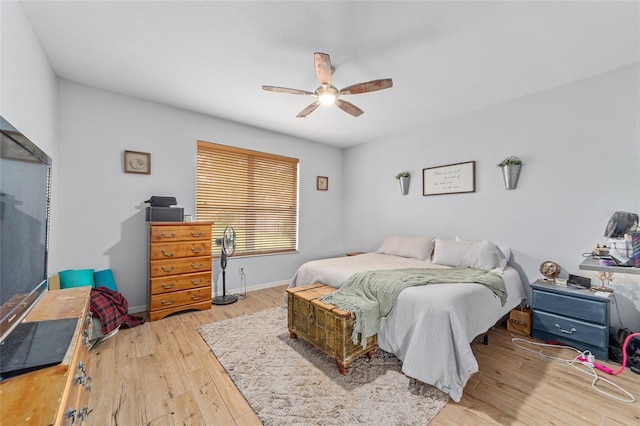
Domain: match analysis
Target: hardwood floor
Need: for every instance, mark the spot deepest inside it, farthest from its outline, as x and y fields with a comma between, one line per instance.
x=163, y=373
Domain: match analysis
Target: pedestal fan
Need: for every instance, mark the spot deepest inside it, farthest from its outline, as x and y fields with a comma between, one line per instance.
x=228, y=243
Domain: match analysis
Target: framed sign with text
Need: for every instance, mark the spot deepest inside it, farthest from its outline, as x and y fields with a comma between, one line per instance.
x=450, y=179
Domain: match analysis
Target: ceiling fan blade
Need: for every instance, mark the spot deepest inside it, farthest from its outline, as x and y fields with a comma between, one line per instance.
x=308, y=110
x=286, y=90
x=349, y=107
x=323, y=68
x=369, y=86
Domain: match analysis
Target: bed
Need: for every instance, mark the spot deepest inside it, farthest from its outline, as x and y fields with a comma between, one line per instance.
x=432, y=326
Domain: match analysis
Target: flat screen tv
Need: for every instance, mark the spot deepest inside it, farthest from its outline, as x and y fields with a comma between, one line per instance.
x=25, y=174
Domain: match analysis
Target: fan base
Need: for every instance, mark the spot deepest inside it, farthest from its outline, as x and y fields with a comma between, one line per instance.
x=224, y=300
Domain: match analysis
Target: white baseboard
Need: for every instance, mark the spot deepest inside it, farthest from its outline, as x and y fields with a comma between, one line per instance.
x=265, y=285
x=138, y=309
x=144, y=308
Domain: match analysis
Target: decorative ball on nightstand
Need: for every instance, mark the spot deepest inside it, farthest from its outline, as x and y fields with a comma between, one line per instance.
x=550, y=270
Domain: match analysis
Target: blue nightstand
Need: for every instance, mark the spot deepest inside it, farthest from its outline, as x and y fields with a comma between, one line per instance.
x=575, y=317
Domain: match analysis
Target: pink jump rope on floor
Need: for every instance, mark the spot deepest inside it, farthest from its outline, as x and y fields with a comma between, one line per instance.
x=607, y=370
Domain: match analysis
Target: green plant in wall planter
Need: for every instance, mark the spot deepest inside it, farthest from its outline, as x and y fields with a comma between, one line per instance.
x=510, y=171
x=404, y=178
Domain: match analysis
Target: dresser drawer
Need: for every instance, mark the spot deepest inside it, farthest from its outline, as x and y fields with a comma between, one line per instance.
x=163, y=251
x=180, y=298
x=182, y=232
x=180, y=282
x=568, y=328
x=575, y=307
x=162, y=268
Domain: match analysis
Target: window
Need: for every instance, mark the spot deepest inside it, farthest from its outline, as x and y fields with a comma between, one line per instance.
x=254, y=192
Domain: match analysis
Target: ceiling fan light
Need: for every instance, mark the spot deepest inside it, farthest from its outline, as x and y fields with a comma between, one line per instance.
x=326, y=98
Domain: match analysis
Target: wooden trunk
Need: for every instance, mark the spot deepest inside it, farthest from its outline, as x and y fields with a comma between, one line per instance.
x=325, y=326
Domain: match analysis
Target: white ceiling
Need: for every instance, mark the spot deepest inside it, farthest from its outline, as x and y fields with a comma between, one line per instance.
x=445, y=58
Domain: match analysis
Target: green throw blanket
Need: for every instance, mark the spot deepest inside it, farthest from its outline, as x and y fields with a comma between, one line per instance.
x=371, y=295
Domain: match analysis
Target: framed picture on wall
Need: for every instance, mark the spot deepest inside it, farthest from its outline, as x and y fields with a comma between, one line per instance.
x=322, y=183
x=450, y=179
x=137, y=162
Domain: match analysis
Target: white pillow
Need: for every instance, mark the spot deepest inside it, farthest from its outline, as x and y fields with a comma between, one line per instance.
x=506, y=252
x=467, y=254
x=406, y=246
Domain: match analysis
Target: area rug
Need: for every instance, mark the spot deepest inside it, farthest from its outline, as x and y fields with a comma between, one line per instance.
x=289, y=382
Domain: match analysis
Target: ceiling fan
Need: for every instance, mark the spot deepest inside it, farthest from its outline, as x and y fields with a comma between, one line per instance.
x=328, y=94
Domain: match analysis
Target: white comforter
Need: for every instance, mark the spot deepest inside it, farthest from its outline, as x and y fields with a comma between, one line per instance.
x=432, y=326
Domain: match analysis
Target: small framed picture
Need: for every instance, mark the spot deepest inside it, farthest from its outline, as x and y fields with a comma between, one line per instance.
x=137, y=162
x=322, y=183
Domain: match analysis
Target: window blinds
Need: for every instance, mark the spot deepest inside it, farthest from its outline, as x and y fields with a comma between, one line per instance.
x=254, y=192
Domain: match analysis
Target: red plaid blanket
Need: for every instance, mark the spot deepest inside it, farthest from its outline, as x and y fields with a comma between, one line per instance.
x=112, y=309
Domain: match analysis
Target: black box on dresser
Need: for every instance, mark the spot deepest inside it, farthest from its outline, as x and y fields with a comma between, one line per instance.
x=164, y=214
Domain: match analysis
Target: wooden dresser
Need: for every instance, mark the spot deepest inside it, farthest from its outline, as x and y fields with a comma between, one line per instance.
x=179, y=267
x=55, y=395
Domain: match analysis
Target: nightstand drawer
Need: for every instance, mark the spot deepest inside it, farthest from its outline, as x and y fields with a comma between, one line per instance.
x=575, y=307
x=568, y=328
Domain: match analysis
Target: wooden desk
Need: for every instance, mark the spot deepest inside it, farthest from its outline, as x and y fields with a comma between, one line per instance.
x=55, y=395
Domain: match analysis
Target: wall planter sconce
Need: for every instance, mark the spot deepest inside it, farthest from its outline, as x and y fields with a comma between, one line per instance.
x=404, y=178
x=510, y=171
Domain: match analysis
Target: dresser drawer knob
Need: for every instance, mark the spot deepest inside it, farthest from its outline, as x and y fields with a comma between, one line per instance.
x=170, y=269
x=167, y=254
x=197, y=250
x=83, y=414
x=194, y=297
x=194, y=282
x=169, y=303
x=562, y=330
x=194, y=266
x=199, y=234
x=168, y=286
x=71, y=414
x=171, y=235
x=79, y=379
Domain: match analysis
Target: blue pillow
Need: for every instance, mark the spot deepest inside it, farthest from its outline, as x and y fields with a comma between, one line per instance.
x=76, y=278
x=105, y=279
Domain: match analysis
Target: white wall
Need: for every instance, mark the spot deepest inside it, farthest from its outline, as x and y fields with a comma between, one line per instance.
x=28, y=89
x=101, y=218
x=27, y=80
x=579, y=145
